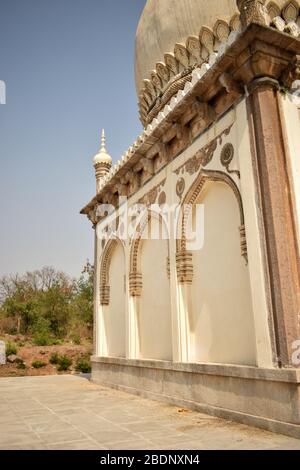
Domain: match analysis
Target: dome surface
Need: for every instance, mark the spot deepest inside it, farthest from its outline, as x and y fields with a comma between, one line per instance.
x=166, y=22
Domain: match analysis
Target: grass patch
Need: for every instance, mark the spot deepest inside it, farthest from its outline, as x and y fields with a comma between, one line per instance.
x=38, y=364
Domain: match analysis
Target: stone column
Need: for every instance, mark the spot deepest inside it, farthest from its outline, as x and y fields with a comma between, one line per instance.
x=135, y=291
x=184, y=277
x=276, y=208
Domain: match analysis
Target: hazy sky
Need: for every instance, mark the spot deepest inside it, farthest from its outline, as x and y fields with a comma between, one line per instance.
x=68, y=66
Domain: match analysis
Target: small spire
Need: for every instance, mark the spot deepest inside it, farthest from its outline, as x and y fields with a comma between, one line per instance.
x=103, y=141
x=102, y=156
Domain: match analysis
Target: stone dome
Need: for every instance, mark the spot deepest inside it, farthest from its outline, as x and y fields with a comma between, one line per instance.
x=166, y=22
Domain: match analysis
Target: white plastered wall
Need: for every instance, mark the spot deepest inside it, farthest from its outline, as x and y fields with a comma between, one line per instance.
x=154, y=316
x=222, y=322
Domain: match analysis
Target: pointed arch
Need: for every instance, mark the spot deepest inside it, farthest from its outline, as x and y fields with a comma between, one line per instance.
x=104, y=270
x=191, y=197
x=135, y=275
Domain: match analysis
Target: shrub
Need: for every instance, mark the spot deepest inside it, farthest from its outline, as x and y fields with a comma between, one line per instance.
x=11, y=348
x=20, y=363
x=64, y=363
x=83, y=365
x=42, y=339
x=38, y=364
x=54, y=359
x=76, y=339
x=56, y=342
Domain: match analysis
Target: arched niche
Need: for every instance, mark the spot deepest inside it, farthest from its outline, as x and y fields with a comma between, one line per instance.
x=220, y=314
x=149, y=282
x=113, y=297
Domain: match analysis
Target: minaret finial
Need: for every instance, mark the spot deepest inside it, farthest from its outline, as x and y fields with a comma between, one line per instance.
x=102, y=161
x=103, y=140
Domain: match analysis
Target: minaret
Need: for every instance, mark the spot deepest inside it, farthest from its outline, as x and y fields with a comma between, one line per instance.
x=102, y=162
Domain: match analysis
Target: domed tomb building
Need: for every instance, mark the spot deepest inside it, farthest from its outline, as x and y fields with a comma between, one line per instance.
x=197, y=235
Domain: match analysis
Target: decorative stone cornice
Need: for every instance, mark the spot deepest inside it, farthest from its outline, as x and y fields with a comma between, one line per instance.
x=172, y=74
x=257, y=52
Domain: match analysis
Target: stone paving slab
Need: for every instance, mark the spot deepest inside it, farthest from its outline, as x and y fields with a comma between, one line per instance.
x=71, y=413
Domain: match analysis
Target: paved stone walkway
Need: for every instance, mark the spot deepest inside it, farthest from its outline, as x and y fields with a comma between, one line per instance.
x=69, y=412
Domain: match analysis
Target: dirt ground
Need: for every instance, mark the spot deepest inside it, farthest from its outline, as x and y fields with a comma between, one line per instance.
x=31, y=353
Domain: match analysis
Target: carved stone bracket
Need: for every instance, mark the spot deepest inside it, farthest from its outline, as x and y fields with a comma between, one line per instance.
x=184, y=267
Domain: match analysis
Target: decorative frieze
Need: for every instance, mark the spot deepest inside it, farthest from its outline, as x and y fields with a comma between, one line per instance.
x=204, y=156
x=151, y=196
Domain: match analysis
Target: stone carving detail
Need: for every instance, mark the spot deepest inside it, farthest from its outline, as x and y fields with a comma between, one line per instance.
x=278, y=23
x=227, y=155
x=291, y=73
x=151, y=196
x=273, y=10
x=169, y=78
x=135, y=284
x=221, y=30
x=162, y=199
x=180, y=187
x=181, y=54
x=184, y=267
x=244, y=251
x=204, y=156
x=194, y=47
x=104, y=272
x=290, y=12
x=253, y=11
x=168, y=267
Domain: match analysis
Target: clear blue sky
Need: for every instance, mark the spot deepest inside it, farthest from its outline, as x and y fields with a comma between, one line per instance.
x=69, y=71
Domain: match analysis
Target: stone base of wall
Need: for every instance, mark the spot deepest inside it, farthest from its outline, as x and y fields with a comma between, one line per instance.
x=265, y=398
